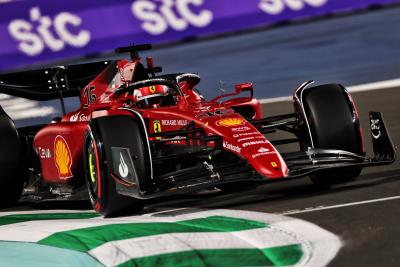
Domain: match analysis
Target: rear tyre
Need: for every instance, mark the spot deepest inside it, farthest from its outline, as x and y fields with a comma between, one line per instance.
x=105, y=133
x=12, y=162
x=333, y=125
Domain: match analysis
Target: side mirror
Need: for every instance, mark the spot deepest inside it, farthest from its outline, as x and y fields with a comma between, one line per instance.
x=243, y=87
x=127, y=72
x=181, y=102
x=239, y=88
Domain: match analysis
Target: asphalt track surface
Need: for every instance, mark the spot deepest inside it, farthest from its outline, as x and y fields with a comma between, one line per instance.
x=365, y=213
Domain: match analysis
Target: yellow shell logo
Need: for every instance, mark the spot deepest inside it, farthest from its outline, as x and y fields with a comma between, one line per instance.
x=231, y=122
x=62, y=157
x=152, y=89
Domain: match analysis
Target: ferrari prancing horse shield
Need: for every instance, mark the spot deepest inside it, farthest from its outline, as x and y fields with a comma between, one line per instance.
x=157, y=126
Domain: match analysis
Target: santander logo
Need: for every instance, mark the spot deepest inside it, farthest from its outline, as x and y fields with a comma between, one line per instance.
x=74, y=117
x=79, y=117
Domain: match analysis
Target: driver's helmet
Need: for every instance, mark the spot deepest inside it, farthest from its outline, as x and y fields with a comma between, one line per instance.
x=150, y=96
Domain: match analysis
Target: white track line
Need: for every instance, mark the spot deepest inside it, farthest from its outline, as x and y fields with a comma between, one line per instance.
x=339, y=206
x=275, y=100
x=375, y=86
x=352, y=89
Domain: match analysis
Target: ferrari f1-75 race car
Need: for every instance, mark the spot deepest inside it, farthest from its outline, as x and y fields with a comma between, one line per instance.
x=139, y=134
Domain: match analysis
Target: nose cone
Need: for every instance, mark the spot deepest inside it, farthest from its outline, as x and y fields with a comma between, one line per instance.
x=242, y=138
x=265, y=159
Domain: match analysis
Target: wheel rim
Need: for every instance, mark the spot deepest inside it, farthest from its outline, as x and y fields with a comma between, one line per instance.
x=92, y=177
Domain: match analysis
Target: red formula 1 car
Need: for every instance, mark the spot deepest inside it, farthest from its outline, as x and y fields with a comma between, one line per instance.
x=140, y=135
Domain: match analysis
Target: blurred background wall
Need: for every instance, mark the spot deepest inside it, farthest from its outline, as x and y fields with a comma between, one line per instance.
x=277, y=44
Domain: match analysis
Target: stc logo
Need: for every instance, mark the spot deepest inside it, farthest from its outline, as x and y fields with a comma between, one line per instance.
x=275, y=7
x=42, y=31
x=177, y=14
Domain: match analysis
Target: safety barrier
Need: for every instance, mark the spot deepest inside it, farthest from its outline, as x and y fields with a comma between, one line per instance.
x=38, y=31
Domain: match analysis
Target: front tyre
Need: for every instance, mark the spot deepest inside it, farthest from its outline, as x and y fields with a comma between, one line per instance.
x=334, y=124
x=101, y=181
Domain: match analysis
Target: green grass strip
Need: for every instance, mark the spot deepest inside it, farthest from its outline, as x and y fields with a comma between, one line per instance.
x=18, y=218
x=277, y=256
x=88, y=238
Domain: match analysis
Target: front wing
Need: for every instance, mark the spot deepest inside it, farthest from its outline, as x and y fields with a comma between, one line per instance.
x=300, y=164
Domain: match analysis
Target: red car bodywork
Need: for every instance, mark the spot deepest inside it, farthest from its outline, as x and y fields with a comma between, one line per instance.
x=59, y=145
x=138, y=135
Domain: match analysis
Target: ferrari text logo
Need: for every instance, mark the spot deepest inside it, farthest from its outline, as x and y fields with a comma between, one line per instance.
x=157, y=126
x=230, y=122
x=62, y=157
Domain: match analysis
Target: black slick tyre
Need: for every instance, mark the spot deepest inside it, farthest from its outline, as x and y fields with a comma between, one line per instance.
x=333, y=125
x=12, y=162
x=101, y=181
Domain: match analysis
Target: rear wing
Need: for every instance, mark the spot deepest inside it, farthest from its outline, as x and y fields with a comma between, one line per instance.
x=51, y=83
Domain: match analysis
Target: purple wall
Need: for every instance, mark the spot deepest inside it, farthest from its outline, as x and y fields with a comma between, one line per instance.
x=39, y=31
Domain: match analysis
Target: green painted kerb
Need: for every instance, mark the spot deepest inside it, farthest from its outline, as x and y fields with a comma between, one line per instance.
x=88, y=238
x=276, y=256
